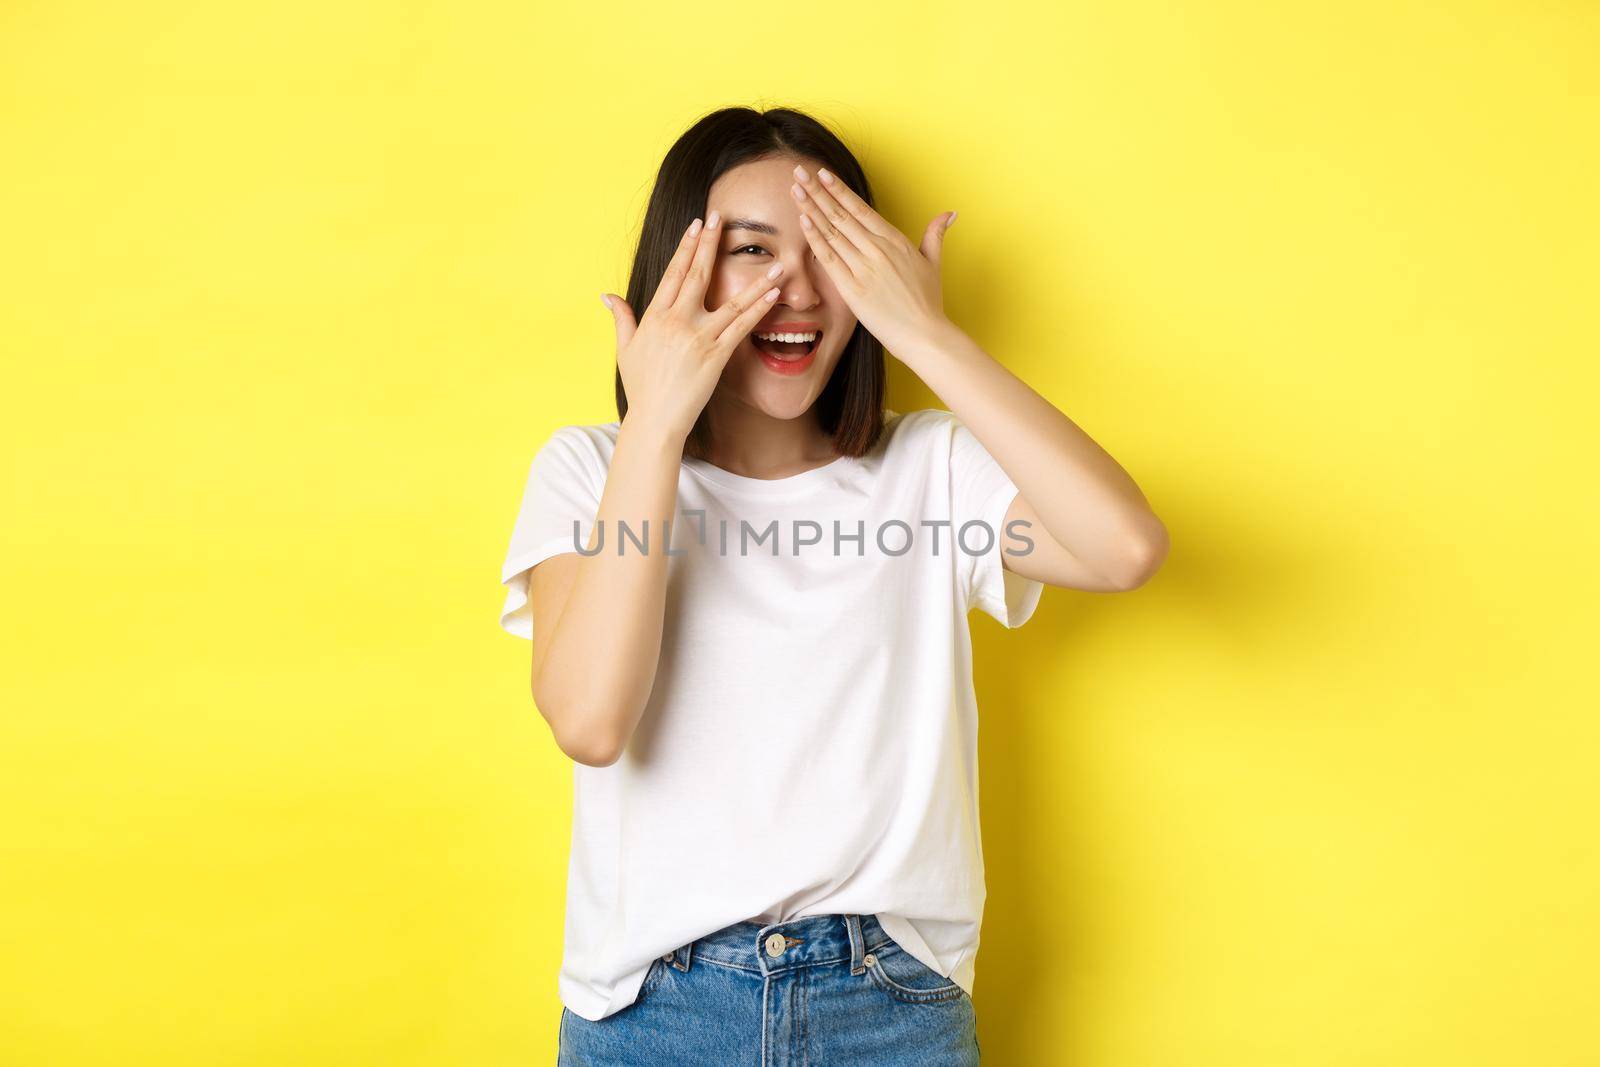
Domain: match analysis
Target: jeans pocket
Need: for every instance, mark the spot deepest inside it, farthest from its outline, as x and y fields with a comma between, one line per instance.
x=906, y=978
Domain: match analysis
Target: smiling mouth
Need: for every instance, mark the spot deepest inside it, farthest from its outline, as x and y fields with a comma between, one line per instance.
x=787, y=351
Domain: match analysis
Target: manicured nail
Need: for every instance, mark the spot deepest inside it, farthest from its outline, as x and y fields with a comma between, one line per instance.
x=775, y=270
x=772, y=294
x=713, y=218
x=800, y=172
x=694, y=227
x=827, y=179
x=606, y=300
x=952, y=220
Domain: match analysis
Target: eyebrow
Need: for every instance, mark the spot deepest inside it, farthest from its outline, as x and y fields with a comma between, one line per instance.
x=753, y=225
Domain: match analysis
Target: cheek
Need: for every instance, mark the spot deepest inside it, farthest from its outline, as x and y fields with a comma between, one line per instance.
x=726, y=281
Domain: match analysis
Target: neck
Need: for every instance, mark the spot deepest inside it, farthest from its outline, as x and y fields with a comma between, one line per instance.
x=749, y=442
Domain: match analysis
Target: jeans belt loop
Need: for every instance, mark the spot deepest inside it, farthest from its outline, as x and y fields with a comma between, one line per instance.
x=858, y=943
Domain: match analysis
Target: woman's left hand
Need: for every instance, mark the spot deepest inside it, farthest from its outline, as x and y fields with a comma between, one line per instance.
x=892, y=286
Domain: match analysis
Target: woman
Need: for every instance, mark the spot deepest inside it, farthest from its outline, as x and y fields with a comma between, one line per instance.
x=747, y=599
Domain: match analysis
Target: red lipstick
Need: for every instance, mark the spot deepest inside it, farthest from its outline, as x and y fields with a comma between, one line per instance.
x=787, y=366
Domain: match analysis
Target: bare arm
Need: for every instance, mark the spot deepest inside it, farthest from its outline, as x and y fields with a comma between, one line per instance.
x=1092, y=526
x=597, y=619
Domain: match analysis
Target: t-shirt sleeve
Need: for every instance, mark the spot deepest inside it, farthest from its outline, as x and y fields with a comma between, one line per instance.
x=981, y=491
x=564, y=485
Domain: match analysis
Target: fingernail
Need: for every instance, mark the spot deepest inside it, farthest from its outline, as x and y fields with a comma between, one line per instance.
x=775, y=270
x=713, y=218
x=827, y=179
x=800, y=172
x=772, y=294
x=694, y=227
x=952, y=221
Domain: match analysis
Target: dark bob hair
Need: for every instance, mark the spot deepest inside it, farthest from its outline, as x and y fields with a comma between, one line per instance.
x=850, y=406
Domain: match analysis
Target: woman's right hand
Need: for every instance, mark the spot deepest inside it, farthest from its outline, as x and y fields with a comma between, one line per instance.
x=671, y=360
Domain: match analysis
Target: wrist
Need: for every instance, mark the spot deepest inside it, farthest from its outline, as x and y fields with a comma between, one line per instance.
x=935, y=340
x=653, y=433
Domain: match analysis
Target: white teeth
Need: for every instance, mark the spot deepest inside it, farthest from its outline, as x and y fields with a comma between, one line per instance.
x=793, y=338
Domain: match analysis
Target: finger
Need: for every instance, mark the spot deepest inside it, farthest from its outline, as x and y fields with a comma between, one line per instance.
x=838, y=225
x=672, y=278
x=745, y=311
x=848, y=199
x=719, y=319
x=933, y=238
x=820, y=231
x=622, y=318
x=831, y=261
x=692, y=294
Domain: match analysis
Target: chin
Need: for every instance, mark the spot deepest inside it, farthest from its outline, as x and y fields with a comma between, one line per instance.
x=791, y=404
x=781, y=396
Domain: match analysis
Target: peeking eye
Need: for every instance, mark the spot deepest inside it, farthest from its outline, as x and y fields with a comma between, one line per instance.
x=758, y=248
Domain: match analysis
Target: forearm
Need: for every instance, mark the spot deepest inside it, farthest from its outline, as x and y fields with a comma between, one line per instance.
x=599, y=667
x=1086, y=501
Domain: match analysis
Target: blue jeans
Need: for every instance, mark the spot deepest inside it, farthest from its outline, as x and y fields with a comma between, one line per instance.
x=830, y=990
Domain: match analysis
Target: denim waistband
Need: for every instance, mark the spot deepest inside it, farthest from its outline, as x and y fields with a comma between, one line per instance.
x=779, y=947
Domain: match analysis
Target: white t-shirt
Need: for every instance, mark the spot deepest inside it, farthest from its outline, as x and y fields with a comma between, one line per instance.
x=811, y=742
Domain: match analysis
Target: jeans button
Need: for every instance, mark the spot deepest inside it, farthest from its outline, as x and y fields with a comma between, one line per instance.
x=775, y=944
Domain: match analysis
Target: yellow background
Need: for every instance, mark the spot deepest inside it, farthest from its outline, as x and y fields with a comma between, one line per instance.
x=289, y=294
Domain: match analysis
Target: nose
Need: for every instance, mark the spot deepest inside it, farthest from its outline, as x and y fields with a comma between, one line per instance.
x=797, y=289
